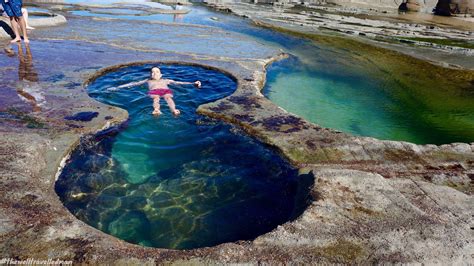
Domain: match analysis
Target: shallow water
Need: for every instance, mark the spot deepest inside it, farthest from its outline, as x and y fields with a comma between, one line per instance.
x=349, y=87
x=137, y=15
x=177, y=182
x=197, y=15
x=36, y=9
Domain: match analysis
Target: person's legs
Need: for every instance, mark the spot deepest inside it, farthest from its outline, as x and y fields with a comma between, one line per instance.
x=23, y=29
x=171, y=105
x=14, y=24
x=24, y=11
x=156, y=105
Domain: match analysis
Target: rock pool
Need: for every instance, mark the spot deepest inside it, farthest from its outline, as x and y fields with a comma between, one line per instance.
x=177, y=182
x=370, y=195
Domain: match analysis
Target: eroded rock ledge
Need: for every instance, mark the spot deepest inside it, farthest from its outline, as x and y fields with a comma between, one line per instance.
x=443, y=41
x=374, y=201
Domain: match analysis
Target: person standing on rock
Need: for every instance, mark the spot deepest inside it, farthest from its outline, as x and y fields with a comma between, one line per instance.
x=13, y=10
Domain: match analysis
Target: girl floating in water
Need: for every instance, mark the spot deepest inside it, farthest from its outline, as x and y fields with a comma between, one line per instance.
x=158, y=87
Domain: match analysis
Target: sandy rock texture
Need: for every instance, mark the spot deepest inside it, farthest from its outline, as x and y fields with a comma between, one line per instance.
x=356, y=215
x=380, y=220
x=372, y=201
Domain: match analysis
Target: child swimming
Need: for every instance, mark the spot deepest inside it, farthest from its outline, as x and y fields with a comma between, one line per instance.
x=158, y=87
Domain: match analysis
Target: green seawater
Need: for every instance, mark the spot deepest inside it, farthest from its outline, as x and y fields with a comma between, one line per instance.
x=383, y=105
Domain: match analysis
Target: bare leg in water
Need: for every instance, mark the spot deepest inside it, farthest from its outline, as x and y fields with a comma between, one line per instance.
x=156, y=105
x=19, y=23
x=172, y=106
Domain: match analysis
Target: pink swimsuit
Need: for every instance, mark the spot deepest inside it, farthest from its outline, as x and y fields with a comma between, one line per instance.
x=160, y=92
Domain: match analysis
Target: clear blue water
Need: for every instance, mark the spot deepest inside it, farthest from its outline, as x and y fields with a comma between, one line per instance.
x=177, y=182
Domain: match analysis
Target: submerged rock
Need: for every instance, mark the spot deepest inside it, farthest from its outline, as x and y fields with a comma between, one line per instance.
x=105, y=201
x=115, y=190
x=96, y=182
x=130, y=225
x=133, y=202
x=96, y=163
x=82, y=116
x=355, y=217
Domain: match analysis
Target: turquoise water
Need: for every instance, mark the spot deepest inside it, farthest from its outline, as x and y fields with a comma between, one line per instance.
x=376, y=106
x=177, y=182
x=347, y=88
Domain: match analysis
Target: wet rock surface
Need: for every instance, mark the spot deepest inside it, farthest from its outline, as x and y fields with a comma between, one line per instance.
x=444, y=41
x=82, y=116
x=373, y=201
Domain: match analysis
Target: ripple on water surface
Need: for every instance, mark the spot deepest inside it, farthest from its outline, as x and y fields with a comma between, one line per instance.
x=181, y=182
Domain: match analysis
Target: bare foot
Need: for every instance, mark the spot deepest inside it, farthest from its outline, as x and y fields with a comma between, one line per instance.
x=26, y=40
x=156, y=112
x=15, y=40
x=176, y=112
x=9, y=52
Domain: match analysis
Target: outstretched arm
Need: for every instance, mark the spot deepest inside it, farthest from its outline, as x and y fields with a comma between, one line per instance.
x=132, y=84
x=196, y=83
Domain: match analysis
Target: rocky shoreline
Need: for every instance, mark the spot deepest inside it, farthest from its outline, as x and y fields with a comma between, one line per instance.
x=442, y=41
x=373, y=201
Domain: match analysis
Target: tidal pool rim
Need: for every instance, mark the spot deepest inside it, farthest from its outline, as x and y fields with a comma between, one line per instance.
x=114, y=126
